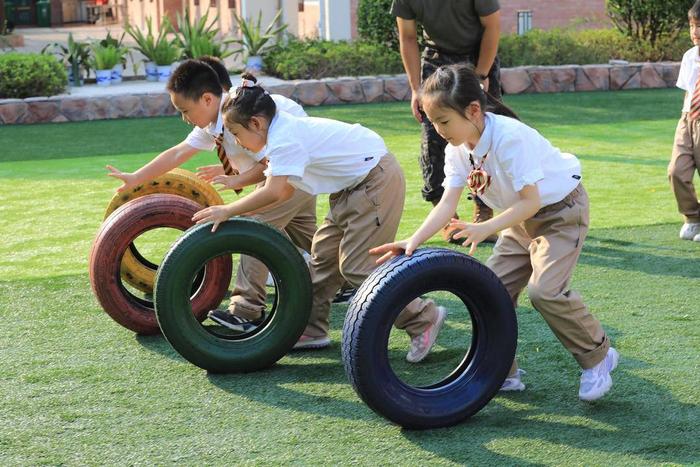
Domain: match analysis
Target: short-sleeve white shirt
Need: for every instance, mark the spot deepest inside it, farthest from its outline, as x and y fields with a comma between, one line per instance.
x=241, y=159
x=321, y=155
x=516, y=155
x=688, y=75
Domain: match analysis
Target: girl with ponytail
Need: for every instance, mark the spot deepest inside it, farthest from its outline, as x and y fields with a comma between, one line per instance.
x=543, y=216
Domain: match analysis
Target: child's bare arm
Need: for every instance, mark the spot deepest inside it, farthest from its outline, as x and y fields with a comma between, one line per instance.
x=526, y=207
x=165, y=161
x=437, y=219
x=276, y=190
x=252, y=176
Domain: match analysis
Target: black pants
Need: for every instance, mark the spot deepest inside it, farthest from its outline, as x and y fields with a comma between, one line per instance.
x=432, y=160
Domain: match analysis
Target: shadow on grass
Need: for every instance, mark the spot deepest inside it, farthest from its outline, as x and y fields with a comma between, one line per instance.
x=637, y=422
x=654, y=250
x=158, y=345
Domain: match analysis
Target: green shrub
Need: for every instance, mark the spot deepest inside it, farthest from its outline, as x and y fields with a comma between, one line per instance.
x=376, y=24
x=649, y=21
x=314, y=58
x=564, y=47
x=29, y=75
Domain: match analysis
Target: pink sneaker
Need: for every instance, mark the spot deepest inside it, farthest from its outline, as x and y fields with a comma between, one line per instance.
x=421, y=344
x=308, y=342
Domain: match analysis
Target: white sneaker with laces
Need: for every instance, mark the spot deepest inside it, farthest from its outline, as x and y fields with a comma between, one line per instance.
x=513, y=382
x=421, y=344
x=689, y=231
x=596, y=381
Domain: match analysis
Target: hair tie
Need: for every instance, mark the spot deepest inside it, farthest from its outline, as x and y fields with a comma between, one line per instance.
x=247, y=83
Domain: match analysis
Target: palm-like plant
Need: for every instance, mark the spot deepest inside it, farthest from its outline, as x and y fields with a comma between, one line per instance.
x=76, y=55
x=104, y=57
x=199, y=38
x=148, y=43
x=253, y=39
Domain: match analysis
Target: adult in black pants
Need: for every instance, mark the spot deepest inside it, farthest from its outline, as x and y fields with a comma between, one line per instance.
x=454, y=31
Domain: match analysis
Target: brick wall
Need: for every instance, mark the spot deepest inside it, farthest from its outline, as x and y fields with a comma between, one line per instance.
x=548, y=14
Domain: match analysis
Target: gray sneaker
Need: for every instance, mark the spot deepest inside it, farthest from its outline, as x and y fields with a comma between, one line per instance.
x=513, y=382
x=596, y=381
x=689, y=231
x=236, y=323
x=421, y=344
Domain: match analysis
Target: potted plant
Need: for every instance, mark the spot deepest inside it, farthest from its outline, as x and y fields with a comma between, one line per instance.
x=147, y=43
x=75, y=57
x=164, y=55
x=198, y=38
x=122, y=50
x=254, y=40
x=104, y=58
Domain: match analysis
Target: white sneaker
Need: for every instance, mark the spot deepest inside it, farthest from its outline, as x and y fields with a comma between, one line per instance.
x=596, y=381
x=421, y=344
x=513, y=383
x=689, y=231
x=696, y=238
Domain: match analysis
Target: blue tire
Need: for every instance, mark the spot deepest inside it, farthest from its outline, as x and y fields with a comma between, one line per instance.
x=478, y=377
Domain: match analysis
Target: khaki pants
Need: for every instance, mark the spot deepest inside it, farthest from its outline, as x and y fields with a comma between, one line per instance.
x=296, y=217
x=542, y=253
x=360, y=218
x=685, y=160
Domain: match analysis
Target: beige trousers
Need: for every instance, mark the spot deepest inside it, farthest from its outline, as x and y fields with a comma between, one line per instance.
x=542, y=253
x=296, y=217
x=685, y=161
x=360, y=218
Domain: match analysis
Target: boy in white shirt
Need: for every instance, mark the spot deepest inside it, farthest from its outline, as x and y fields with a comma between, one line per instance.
x=543, y=218
x=197, y=93
x=685, y=158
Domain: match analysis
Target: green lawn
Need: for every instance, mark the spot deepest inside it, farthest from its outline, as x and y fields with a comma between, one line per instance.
x=79, y=389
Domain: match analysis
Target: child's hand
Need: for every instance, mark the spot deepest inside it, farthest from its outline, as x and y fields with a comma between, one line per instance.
x=229, y=182
x=129, y=179
x=208, y=172
x=473, y=233
x=389, y=250
x=217, y=214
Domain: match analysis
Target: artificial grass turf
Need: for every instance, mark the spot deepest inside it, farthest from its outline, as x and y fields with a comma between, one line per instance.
x=80, y=389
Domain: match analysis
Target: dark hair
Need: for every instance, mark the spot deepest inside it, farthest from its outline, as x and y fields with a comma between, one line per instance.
x=248, y=102
x=193, y=78
x=218, y=66
x=694, y=12
x=456, y=86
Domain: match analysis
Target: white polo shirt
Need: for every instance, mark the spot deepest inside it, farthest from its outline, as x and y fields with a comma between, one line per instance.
x=688, y=75
x=320, y=155
x=241, y=159
x=517, y=156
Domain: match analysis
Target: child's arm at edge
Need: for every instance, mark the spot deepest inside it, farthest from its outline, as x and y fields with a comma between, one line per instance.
x=165, y=161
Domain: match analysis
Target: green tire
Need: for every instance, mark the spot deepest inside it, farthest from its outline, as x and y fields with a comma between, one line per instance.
x=221, y=352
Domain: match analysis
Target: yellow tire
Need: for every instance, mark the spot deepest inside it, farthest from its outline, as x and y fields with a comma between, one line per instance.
x=135, y=269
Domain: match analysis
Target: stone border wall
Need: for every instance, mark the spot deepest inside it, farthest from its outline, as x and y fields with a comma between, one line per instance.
x=347, y=90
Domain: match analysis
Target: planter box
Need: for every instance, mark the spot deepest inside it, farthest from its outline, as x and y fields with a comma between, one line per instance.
x=14, y=40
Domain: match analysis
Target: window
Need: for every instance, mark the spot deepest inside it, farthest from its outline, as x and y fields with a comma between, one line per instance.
x=524, y=21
